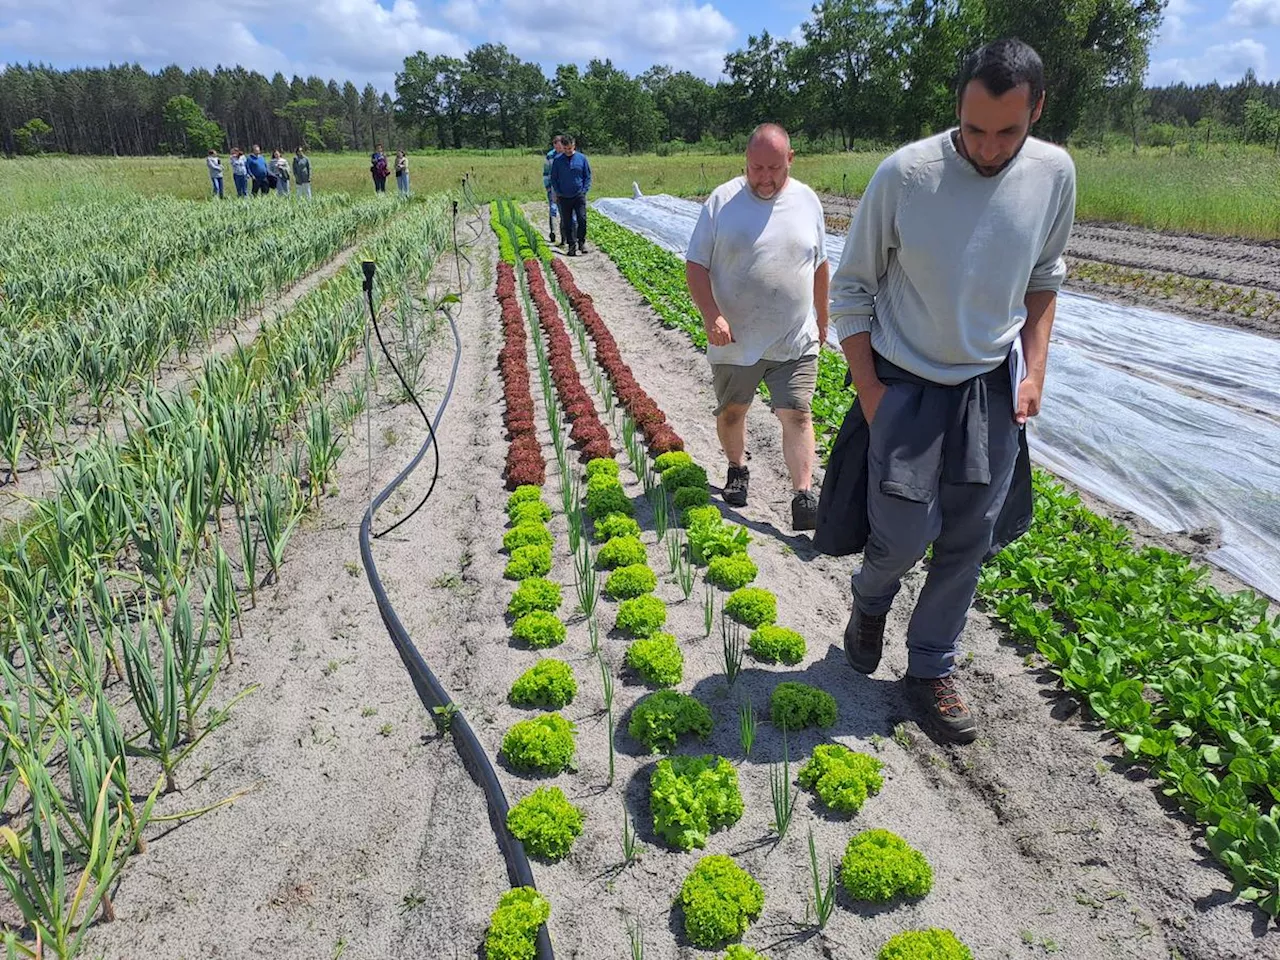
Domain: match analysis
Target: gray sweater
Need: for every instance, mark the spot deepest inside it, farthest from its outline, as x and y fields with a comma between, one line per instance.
x=939, y=258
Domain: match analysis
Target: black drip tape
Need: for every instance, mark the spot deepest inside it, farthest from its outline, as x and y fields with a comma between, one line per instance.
x=430, y=691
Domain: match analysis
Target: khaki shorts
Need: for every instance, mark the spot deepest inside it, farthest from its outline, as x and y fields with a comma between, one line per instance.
x=791, y=383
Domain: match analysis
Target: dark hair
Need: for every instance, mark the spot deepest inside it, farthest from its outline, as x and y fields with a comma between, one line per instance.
x=1001, y=66
x=567, y=140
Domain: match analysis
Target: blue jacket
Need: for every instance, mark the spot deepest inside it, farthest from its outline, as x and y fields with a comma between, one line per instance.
x=546, y=169
x=256, y=164
x=570, y=176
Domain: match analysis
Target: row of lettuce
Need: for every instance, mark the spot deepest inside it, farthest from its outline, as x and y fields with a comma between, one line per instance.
x=1188, y=677
x=690, y=796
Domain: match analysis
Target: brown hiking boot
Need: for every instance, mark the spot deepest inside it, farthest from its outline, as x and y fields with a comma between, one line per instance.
x=864, y=640
x=941, y=707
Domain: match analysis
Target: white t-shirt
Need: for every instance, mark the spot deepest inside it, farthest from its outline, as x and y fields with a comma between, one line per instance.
x=762, y=255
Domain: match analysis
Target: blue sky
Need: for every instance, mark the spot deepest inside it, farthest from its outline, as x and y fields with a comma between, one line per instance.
x=366, y=40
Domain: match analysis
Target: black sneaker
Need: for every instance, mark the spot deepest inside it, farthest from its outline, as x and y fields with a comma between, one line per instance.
x=864, y=640
x=941, y=707
x=735, y=487
x=572, y=252
x=582, y=248
x=553, y=236
x=804, y=511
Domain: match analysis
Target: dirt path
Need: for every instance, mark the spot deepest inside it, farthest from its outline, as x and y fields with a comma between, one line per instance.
x=360, y=820
x=1150, y=258
x=40, y=482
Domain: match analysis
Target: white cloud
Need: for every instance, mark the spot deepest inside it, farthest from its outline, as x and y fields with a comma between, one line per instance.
x=633, y=33
x=1225, y=62
x=1254, y=14
x=360, y=40
x=1173, y=30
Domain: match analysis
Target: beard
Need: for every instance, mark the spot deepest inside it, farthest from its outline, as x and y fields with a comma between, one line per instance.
x=986, y=171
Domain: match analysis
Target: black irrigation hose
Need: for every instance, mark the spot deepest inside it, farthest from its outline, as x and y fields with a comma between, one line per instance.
x=430, y=691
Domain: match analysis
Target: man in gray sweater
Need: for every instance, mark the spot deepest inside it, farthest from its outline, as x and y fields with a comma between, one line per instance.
x=943, y=303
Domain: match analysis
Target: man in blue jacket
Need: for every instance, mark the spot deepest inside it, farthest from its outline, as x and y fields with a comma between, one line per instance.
x=571, y=181
x=552, y=213
x=256, y=165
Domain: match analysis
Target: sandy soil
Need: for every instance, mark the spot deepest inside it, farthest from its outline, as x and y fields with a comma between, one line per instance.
x=358, y=814
x=356, y=842
x=1241, y=264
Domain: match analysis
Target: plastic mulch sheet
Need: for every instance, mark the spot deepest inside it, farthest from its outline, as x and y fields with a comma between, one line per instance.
x=1175, y=420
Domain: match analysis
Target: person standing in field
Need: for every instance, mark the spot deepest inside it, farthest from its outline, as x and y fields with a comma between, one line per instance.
x=378, y=168
x=239, y=172
x=402, y=173
x=302, y=173
x=552, y=213
x=943, y=303
x=256, y=166
x=757, y=270
x=571, y=181
x=280, y=168
x=215, y=172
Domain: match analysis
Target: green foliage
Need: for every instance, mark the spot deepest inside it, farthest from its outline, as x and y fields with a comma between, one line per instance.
x=189, y=131
x=630, y=581
x=513, y=928
x=708, y=540
x=539, y=629
x=606, y=497
x=692, y=796
x=773, y=644
x=530, y=511
x=795, y=705
x=880, y=866
x=841, y=778
x=687, y=497
x=673, y=458
x=720, y=900
x=29, y=138
x=931, y=944
x=752, y=607
x=662, y=718
x=549, y=684
x=535, y=594
x=684, y=475
x=697, y=517
x=543, y=744
x=622, y=552
x=657, y=659
x=528, y=561
x=528, y=534
x=525, y=493
x=546, y=823
x=602, y=467
x=641, y=616
x=737, y=951
x=616, y=525
x=732, y=572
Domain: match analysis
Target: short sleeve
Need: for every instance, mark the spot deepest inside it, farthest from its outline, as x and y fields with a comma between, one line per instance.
x=702, y=242
x=822, y=233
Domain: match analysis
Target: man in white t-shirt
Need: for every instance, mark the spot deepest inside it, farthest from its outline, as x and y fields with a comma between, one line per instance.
x=757, y=270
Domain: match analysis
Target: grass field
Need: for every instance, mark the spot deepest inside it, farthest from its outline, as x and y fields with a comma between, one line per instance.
x=1230, y=191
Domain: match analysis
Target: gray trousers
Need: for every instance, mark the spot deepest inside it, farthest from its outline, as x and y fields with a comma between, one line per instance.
x=958, y=521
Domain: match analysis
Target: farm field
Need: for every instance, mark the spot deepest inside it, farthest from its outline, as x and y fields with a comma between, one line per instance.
x=1125, y=771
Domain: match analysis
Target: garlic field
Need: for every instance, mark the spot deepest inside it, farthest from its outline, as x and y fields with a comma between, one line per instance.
x=587, y=709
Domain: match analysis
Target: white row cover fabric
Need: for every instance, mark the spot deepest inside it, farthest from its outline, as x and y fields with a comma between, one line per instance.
x=1175, y=420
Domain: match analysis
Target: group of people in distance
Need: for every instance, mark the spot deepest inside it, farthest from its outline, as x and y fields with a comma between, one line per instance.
x=260, y=175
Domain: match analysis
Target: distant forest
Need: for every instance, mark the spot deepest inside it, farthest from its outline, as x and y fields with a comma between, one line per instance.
x=864, y=72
